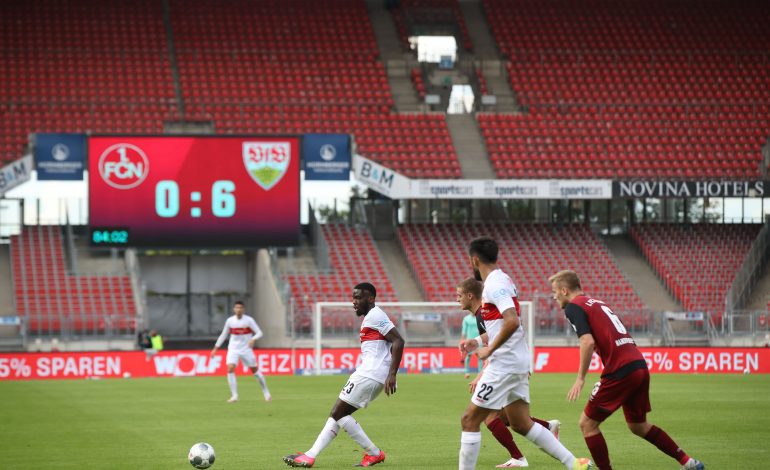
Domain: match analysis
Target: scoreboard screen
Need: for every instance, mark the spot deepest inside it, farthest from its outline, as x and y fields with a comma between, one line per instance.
x=194, y=191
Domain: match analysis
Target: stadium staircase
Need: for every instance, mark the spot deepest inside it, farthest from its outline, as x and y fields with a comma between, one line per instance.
x=10, y=339
x=398, y=63
x=640, y=274
x=470, y=147
x=56, y=302
x=697, y=263
x=488, y=60
x=404, y=283
x=353, y=258
x=760, y=297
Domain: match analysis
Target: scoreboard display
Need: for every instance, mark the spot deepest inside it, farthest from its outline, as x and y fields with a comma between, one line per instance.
x=194, y=191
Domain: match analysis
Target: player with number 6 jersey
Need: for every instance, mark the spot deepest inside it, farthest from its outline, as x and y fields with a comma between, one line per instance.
x=381, y=349
x=625, y=380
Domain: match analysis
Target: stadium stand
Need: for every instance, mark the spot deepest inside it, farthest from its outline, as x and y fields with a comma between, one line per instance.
x=82, y=66
x=53, y=300
x=267, y=69
x=697, y=263
x=631, y=89
x=530, y=253
x=353, y=259
x=251, y=68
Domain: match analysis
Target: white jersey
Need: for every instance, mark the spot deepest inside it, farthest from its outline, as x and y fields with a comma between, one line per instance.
x=375, y=349
x=499, y=295
x=240, y=331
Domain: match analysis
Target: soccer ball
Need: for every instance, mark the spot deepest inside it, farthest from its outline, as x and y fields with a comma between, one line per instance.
x=201, y=455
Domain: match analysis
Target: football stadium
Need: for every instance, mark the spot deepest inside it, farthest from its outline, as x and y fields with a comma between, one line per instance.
x=417, y=234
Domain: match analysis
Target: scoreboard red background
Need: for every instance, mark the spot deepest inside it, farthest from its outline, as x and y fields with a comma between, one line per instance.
x=196, y=191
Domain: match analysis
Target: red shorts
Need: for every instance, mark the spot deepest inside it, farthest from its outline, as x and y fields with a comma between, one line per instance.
x=632, y=392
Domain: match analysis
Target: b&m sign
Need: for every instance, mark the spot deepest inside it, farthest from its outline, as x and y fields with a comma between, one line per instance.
x=194, y=191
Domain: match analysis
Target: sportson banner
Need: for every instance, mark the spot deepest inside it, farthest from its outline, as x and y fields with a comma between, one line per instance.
x=283, y=362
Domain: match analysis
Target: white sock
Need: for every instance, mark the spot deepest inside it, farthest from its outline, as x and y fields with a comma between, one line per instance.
x=357, y=433
x=470, y=445
x=327, y=435
x=233, y=385
x=543, y=438
x=262, y=382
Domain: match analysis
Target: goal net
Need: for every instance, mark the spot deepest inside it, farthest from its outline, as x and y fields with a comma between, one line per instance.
x=422, y=324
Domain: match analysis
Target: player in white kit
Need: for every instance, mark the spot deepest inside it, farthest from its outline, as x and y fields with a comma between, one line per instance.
x=243, y=331
x=381, y=350
x=504, y=385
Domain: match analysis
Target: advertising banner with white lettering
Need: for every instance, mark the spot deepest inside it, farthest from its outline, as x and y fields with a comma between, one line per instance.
x=60, y=156
x=511, y=189
x=681, y=189
x=15, y=173
x=326, y=156
x=302, y=361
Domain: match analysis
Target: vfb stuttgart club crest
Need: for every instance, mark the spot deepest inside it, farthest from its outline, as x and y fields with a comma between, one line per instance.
x=266, y=162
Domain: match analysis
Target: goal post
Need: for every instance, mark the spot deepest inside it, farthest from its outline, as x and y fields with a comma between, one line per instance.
x=424, y=323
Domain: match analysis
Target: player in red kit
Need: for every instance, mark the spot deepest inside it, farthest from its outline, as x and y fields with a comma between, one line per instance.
x=625, y=380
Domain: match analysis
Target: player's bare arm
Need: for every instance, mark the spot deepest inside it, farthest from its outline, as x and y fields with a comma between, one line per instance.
x=257, y=334
x=510, y=324
x=587, y=346
x=470, y=345
x=396, y=350
x=474, y=382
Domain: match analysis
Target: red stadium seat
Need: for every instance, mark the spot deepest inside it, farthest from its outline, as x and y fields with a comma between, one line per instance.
x=648, y=89
x=53, y=299
x=697, y=262
x=530, y=252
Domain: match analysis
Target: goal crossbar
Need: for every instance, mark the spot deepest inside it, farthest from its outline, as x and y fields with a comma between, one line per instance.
x=317, y=325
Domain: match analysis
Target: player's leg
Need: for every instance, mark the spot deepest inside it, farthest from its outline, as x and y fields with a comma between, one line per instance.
x=470, y=440
x=498, y=426
x=357, y=393
x=262, y=383
x=232, y=360
x=595, y=441
x=606, y=397
x=331, y=428
x=635, y=409
x=325, y=437
x=468, y=365
x=553, y=425
x=250, y=360
x=519, y=417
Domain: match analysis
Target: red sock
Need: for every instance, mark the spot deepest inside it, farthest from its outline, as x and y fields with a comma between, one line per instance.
x=662, y=441
x=540, y=422
x=504, y=437
x=598, y=448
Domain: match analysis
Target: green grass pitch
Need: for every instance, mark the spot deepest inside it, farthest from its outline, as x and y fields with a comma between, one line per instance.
x=151, y=423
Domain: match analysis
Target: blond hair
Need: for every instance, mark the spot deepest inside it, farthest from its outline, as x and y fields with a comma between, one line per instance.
x=566, y=278
x=471, y=286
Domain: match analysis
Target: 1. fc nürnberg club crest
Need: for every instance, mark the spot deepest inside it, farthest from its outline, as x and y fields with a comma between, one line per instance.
x=266, y=162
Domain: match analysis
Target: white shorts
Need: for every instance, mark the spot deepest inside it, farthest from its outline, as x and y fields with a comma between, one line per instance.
x=359, y=391
x=495, y=391
x=245, y=355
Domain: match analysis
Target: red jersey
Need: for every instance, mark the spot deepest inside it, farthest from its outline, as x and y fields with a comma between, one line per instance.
x=614, y=345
